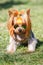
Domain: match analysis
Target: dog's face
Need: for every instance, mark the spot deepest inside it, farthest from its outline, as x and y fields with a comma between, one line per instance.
x=19, y=24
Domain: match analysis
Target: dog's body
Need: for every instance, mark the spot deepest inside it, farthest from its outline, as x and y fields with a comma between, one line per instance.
x=20, y=30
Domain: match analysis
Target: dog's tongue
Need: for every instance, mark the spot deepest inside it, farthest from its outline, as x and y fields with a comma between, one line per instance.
x=18, y=37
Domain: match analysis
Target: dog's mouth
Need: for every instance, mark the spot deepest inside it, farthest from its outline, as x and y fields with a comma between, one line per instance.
x=19, y=36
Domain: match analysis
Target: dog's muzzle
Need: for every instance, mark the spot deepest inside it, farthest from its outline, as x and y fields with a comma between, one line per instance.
x=20, y=30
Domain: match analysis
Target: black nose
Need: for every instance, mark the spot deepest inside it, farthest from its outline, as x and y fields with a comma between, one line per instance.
x=20, y=30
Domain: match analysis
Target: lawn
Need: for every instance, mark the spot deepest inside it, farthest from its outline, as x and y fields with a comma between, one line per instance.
x=36, y=12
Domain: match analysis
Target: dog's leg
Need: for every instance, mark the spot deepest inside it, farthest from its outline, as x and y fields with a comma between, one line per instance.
x=32, y=43
x=11, y=48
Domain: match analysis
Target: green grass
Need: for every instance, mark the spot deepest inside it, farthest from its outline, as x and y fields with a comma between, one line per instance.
x=22, y=58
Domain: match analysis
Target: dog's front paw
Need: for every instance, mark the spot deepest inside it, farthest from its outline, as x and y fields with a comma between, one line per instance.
x=11, y=50
x=31, y=48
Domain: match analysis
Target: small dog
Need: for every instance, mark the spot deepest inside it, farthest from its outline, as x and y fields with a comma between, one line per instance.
x=19, y=26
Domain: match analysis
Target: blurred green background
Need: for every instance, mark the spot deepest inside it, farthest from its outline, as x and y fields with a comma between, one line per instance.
x=5, y=5
x=36, y=13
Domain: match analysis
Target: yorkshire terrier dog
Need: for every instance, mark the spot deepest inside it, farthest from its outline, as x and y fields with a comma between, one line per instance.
x=19, y=26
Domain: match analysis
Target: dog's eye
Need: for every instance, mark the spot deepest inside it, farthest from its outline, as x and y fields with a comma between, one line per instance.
x=15, y=26
x=24, y=26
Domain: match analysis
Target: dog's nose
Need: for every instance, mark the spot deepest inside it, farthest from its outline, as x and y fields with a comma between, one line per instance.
x=20, y=30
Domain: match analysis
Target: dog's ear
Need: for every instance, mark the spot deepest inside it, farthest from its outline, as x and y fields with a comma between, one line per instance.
x=28, y=23
x=10, y=26
x=28, y=12
x=13, y=12
x=10, y=12
x=10, y=22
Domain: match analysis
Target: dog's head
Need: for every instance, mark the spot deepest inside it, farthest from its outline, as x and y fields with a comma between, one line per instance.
x=19, y=24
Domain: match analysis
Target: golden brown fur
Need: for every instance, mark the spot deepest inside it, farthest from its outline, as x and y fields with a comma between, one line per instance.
x=10, y=23
x=19, y=26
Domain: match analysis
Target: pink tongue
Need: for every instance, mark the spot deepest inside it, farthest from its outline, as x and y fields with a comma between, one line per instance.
x=18, y=37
